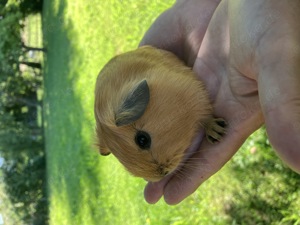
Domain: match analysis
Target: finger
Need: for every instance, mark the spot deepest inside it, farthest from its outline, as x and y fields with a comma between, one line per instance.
x=181, y=28
x=210, y=159
x=154, y=190
x=243, y=119
x=211, y=62
x=165, y=32
x=278, y=57
x=279, y=90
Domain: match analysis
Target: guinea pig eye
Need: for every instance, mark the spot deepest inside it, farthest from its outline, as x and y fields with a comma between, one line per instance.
x=143, y=140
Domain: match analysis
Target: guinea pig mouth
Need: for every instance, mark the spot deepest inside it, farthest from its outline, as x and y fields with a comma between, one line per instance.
x=193, y=148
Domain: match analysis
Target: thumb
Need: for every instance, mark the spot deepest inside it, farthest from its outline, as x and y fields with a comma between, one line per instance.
x=208, y=160
x=279, y=90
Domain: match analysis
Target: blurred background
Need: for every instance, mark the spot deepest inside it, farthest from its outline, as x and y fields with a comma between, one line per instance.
x=51, y=52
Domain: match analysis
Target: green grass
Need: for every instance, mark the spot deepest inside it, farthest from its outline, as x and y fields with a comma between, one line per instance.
x=84, y=188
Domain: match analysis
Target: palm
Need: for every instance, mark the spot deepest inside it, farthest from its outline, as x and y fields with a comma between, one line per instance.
x=250, y=73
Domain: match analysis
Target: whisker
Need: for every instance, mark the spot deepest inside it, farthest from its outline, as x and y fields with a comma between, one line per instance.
x=183, y=174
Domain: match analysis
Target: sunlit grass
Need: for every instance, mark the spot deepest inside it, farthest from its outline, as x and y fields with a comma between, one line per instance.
x=84, y=188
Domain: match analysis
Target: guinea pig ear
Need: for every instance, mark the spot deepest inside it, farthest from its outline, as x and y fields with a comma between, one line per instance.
x=100, y=143
x=104, y=151
x=134, y=104
x=102, y=148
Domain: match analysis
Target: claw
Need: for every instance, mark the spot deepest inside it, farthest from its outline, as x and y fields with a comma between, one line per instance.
x=215, y=129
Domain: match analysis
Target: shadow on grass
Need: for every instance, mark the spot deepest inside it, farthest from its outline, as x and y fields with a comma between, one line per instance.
x=70, y=162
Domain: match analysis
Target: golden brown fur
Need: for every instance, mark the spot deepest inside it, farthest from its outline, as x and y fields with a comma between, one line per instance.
x=177, y=108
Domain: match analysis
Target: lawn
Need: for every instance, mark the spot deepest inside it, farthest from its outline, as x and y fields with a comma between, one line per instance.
x=84, y=188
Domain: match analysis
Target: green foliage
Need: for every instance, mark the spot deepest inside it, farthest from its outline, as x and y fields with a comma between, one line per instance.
x=6, y=207
x=16, y=137
x=21, y=139
x=19, y=107
x=10, y=42
x=23, y=171
x=24, y=178
x=13, y=52
x=26, y=7
x=18, y=87
x=30, y=6
x=270, y=191
x=3, y=3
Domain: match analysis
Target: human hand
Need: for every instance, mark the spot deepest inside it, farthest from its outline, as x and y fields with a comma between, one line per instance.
x=249, y=60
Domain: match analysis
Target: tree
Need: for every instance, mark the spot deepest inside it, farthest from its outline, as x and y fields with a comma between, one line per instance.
x=23, y=170
x=3, y=3
x=10, y=45
x=18, y=90
x=26, y=6
x=19, y=99
x=30, y=6
x=13, y=50
x=21, y=139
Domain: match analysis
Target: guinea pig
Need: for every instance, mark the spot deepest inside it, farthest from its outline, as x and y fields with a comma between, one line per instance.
x=149, y=106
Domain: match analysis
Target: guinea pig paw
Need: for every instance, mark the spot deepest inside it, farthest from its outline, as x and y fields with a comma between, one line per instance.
x=215, y=129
